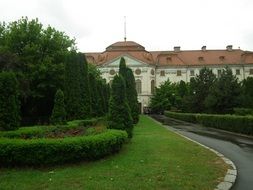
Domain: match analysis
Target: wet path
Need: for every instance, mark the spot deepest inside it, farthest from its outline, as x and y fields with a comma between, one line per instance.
x=237, y=148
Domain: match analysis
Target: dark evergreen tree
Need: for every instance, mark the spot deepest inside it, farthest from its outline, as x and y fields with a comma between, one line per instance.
x=59, y=113
x=246, y=98
x=122, y=68
x=72, y=87
x=119, y=111
x=9, y=101
x=199, y=90
x=95, y=107
x=132, y=95
x=84, y=86
x=224, y=94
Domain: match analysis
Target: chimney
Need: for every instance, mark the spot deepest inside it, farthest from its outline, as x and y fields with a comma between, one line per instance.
x=177, y=49
x=203, y=48
x=229, y=48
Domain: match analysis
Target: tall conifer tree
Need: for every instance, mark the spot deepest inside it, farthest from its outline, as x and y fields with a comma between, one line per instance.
x=59, y=112
x=9, y=102
x=119, y=111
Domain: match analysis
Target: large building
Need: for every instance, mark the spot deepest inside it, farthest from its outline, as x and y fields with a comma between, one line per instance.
x=151, y=68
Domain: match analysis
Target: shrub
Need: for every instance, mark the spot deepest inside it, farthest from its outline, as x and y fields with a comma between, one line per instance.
x=119, y=111
x=189, y=117
x=58, y=113
x=9, y=102
x=233, y=123
x=243, y=111
x=39, y=152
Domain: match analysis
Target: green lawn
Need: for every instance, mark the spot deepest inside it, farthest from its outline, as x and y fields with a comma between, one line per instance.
x=154, y=159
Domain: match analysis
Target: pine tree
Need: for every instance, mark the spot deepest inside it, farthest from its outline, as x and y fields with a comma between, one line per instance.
x=93, y=95
x=119, y=111
x=224, y=94
x=72, y=87
x=84, y=86
x=9, y=101
x=58, y=114
x=132, y=95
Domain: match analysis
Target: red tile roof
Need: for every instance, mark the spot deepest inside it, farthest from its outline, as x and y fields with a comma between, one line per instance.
x=171, y=58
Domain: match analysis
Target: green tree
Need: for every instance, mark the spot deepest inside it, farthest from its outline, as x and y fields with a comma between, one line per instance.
x=164, y=97
x=223, y=95
x=59, y=113
x=37, y=57
x=94, y=96
x=9, y=101
x=84, y=86
x=72, y=87
x=199, y=90
x=119, y=111
x=132, y=95
x=246, y=98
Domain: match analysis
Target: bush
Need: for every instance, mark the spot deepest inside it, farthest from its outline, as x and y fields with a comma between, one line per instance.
x=9, y=101
x=40, y=152
x=59, y=113
x=232, y=123
x=189, y=117
x=243, y=111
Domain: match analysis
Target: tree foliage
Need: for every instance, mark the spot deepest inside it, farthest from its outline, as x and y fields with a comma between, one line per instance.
x=119, y=111
x=9, y=101
x=59, y=113
x=37, y=57
x=131, y=93
x=223, y=95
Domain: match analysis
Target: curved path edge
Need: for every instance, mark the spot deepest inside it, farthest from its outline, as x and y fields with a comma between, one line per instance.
x=229, y=178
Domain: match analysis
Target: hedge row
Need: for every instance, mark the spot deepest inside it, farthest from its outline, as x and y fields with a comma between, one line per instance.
x=40, y=152
x=40, y=131
x=233, y=123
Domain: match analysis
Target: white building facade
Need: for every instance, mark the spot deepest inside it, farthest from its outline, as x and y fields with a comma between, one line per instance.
x=152, y=68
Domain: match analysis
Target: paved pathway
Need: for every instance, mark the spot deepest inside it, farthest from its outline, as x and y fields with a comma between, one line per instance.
x=237, y=148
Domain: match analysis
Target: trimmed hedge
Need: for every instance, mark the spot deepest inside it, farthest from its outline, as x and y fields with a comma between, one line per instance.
x=189, y=117
x=233, y=123
x=40, y=152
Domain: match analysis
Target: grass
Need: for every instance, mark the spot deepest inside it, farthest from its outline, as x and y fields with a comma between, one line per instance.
x=154, y=159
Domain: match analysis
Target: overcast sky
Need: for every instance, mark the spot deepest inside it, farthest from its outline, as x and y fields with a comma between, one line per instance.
x=155, y=24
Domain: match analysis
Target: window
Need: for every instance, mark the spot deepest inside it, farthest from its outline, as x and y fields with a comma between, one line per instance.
x=152, y=87
x=192, y=73
x=179, y=73
x=138, y=86
x=251, y=71
x=152, y=72
x=237, y=72
x=162, y=73
x=112, y=72
x=137, y=71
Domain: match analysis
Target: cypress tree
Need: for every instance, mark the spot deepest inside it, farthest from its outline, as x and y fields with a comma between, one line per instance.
x=9, y=102
x=84, y=86
x=119, y=111
x=132, y=95
x=93, y=95
x=72, y=87
x=58, y=114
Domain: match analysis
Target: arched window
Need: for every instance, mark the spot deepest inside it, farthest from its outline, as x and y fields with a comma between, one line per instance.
x=152, y=86
x=138, y=86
